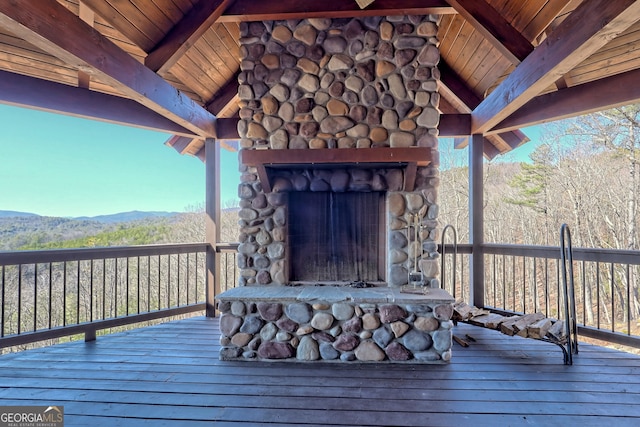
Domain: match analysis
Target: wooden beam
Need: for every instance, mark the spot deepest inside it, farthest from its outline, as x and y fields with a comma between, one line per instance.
x=453, y=87
x=589, y=27
x=252, y=10
x=385, y=155
x=492, y=25
x=223, y=97
x=53, y=28
x=29, y=92
x=88, y=16
x=184, y=34
x=454, y=125
x=490, y=150
x=450, y=125
x=227, y=128
x=603, y=94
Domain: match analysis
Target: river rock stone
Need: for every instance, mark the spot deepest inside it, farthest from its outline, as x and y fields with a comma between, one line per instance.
x=229, y=324
x=342, y=311
x=399, y=328
x=322, y=321
x=429, y=55
x=352, y=325
x=281, y=34
x=230, y=353
x=390, y=313
x=334, y=125
x=426, y=324
x=299, y=312
x=307, y=349
x=442, y=340
x=238, y=308
x=368, y=351
x=370, y=321
x=396, y=86
x=322, y=336
x=382, y=336
x=443, y=311
x=270, y=311
x=429, y=118
x=327, y=352
x=417, y=341
x=252, y=324
x=346, y=342
x=309, y=82
x=275, y=350
x=268, y=332
x=334, y=44
x=397, y=352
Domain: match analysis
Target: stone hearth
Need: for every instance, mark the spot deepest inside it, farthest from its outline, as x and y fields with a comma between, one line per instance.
x=310, y=323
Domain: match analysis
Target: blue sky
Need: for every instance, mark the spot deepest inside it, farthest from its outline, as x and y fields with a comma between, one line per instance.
x=56, y=165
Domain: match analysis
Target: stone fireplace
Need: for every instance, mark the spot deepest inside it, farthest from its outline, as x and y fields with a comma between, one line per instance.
x=338, y=192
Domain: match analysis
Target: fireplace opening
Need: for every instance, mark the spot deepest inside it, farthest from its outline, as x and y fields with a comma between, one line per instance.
x=337, y=237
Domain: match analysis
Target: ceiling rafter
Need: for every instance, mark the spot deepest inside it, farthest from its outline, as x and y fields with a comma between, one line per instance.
x=227, y=95
x=184, y=34
x=490, y=23
x=591, y=25
x=614, y=91
x=453, y=86
x=30, y=92
x=223, y=100
x=252, y=10
x=56, y=30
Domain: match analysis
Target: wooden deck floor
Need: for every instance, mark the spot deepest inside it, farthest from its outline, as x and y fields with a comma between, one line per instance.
x=170, y=375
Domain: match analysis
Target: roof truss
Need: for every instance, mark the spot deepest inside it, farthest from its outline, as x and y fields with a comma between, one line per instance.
x=56, y=30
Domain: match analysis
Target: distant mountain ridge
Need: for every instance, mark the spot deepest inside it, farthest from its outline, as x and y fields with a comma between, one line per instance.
x=109, y=219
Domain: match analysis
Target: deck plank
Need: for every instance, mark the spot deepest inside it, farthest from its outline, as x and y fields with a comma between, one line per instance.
x=170, y=375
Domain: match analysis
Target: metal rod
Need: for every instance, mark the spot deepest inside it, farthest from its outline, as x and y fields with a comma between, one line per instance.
x=35, y=297
x=4, y=303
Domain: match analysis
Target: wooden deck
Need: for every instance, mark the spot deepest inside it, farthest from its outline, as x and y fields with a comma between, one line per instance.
x=170, y=375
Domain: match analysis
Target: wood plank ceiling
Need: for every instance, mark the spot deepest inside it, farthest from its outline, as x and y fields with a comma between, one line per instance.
x=505, y=64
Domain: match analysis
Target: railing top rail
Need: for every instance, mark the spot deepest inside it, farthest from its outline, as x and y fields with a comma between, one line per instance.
x=82, y=254
x=619, y=256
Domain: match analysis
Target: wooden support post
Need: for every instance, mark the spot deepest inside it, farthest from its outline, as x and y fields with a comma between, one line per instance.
x=212, y=230
x=476, y=219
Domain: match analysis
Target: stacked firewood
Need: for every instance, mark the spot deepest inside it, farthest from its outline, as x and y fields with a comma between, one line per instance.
x=534, y=325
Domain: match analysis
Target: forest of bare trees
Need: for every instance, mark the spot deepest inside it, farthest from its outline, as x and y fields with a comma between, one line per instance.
x=583, y=172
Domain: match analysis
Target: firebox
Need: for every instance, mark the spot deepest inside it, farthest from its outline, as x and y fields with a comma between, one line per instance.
x=336, y=237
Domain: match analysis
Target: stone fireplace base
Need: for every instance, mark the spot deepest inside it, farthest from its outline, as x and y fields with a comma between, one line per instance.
x=329, y=323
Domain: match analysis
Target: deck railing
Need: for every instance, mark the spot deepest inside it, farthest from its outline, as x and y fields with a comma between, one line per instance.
x=46, y=295
x=527, y=279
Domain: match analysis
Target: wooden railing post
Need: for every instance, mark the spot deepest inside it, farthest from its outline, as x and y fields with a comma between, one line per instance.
x=212, y=233
x=476, y=219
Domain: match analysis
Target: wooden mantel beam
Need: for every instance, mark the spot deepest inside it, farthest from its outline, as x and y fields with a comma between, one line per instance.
x=51, y=27
x=184, y=34
x=492, y=25
x=589, y=27
x=29, y=92
x=271, y=10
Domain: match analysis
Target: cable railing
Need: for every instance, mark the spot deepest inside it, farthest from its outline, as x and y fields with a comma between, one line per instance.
x=50, y=294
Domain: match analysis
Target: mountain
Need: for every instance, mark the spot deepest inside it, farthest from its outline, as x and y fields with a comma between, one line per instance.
x=22, y=230
x=14, y=214
x=128, y=216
